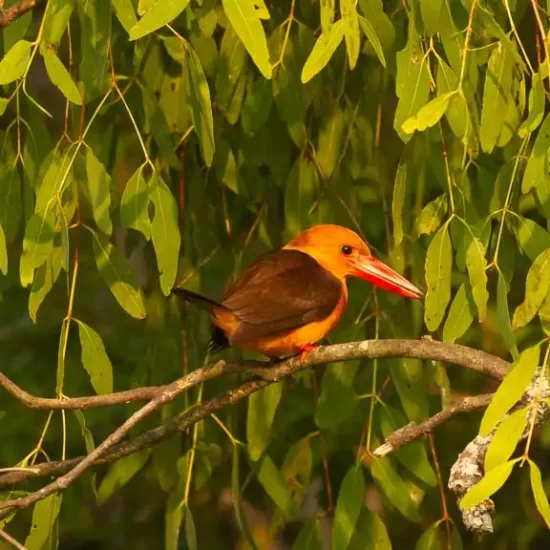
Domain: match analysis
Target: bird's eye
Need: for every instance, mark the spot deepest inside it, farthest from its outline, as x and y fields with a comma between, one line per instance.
x=346, y=249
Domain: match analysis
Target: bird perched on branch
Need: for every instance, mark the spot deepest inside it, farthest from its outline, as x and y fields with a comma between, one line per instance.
x=288, y=300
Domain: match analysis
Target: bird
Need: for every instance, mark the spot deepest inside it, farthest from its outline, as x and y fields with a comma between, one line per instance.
x=287, y=300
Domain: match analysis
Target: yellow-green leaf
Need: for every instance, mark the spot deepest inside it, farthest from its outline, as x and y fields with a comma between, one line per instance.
x=158, y=14
x=505, y=439
x=348, y=507
x=190, y=530
x=245, y=20
x=116, y=274
x=537, y=165
x=327, y=15
x=498, y=83
x=511, y=389
x=489, y=484
x=98, y=183
x=14, y=63
x=44, y=516
x=431, y=15
x=125, y=13
x=461, y=314
x=503, y=316
x=262, y=406
x=476, y=264
x=398, y=201
x=134, y=204
x=43, y=282
x=431, y=215
x=274, y=485
x=95, y=359
x=165, y=233
x=438, y=278
x=322, y=51
x=429, y=115
x=372, y=37
x=541, y=500
x=3, y=252
x=537, y=286
x=537, y=101
x=60, y=76
x=352, y=37
x=198, y=95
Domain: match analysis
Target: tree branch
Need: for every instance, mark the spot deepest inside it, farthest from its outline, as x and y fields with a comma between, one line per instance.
x=369, y=349
x=15, y=11
x=413, y=431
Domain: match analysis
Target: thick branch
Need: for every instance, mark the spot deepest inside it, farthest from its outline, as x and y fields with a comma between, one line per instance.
x=413, y=431
x=422, y=349
x=15, y=11
x=370, y=349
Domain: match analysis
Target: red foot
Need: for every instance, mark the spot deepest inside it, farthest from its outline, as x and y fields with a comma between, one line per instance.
x=305, y=350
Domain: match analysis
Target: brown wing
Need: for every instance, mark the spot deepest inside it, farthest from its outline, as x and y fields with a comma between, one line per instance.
x=279, y=292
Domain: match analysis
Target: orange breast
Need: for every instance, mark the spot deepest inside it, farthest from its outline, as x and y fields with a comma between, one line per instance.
x=289, y=343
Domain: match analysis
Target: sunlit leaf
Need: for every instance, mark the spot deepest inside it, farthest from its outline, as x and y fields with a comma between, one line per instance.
x=537, y=165
x=327, y=15
x=432, y=215
x=489, y=484
x=134, y=204
x=511, y=389
x=348, y=507
x=95, y=359
x=531, y=237
x=262, y=406
x=537, y=100
x=158, y=14
x=457, y=112
x=116, y=274
x=98, y=183
x=541, y=500
x=431, y=14
x=165, y=233
x=322, y=51
x=3, y=252
x=476, y=264
x=438, y=278
x=352, y=37
x=60, y=76
x=125, y=13
x=43, y=282
x=428, y=115
x=14, y=63
x=461, y=314
x=505, y=439
x=537, y=286
x=56, y=20
x=245, y=20
x=370, y=32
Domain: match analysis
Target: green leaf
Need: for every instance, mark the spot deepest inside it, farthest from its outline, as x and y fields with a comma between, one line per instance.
x=37, y=244
x=98, y=183
x=431, y=15
x=262, y=406
x=541, y=500
x=134, y=204
x=3, y=252
x=372, y=37
x=257, y=106
x=95, y=359
x=532, y=238
x=120, y=473
x=430, y=539
x=116, y=274
x=125, y=13
x=432, y=215
x=498, y=83
x=370, y=533
x=429, y=115
x=46, y=276
x=86, y=434
x=190, y=530
x=398, y=201
x=3, y=105
x=352, y=36
x=244, y=19
x=159, y=13
x=503, y=317
x=413, y=455
x=60, y=76
x=329, y=146
x=198, y=96
x=397, y=491
x=274, y=485
x=14, y=63
x=322, y=51
x=511, y=389
x=489, y=484
x=537, y=101
x=56, y=20
x=438, y=278
x=461, y=314
x=537, y=286
x=412, y=82
x=327, y=15
x=165, y=233
x=309, y=538
x=505, y=439
x=476, y=265
x=348, y=507
x=44, y=517
x=537, y=165
x=407, y=376
x=457, y=112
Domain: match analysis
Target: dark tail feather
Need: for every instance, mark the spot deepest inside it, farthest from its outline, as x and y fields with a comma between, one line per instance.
x=197, y=299
x=218, y=340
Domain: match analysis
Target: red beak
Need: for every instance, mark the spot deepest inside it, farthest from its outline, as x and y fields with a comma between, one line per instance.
x=382, y=276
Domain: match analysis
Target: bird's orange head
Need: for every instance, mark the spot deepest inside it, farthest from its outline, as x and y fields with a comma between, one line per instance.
x=343, y=253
